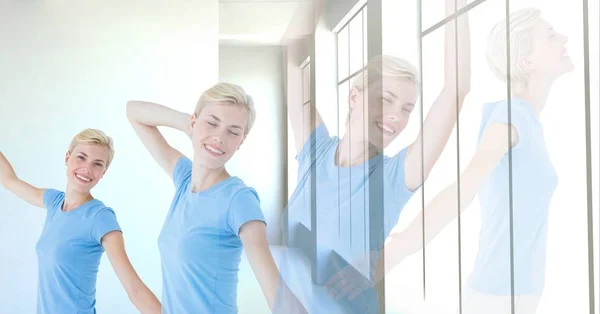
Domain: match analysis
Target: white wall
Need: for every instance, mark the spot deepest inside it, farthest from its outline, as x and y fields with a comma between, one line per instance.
x=71, y=65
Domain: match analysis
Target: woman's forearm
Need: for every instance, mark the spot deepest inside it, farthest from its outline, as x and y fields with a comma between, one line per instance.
x=154, y=115
x=286, y=301
x=6, y=171
x=144, y=300
x=436, y=216
x=457, y=55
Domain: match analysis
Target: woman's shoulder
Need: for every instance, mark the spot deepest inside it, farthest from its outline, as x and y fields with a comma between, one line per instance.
x=235, y=185
x=96, y=207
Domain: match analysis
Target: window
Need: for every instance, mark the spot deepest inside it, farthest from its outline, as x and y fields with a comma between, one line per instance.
x=567, y=282
x=292, y=163
x=351, y=59
x=415, y=31
x=305, y=66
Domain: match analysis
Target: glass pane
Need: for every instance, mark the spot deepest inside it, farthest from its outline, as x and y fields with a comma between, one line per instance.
x=342, y=39
x=365, y=37
x=400, y=38
x=433, y=12
x=356, y=44
x=566, y=259
x=292, y=163
x=400, y=33
x=306, y=83
x=442, y=285
x=343, y=94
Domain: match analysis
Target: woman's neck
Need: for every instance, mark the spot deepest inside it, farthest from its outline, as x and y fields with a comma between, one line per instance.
x=204, y=178
x=537, y=93
x=350, y=154
x=74, y=199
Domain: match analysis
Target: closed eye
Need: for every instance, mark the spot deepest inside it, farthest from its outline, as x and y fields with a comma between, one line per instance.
x=234, y=133
x=211, y=123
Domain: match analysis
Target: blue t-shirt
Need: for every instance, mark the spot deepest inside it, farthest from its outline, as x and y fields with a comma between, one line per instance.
x=533, y=183
x=199, y=244
x=343, y=202
x=69, y=252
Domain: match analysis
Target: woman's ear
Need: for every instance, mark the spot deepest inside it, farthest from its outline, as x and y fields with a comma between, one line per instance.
x=67, y=157
x=192, y=121
x=354, y=96
x=526, y=64
x=191, y=124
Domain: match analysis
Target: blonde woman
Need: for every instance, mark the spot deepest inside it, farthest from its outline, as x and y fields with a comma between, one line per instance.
x=381, y=101
x=78, y=229
x=538, y=57
x=213, y=215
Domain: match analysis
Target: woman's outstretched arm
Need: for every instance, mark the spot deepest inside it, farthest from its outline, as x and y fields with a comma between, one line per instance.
x=424, y=152
x=22, y=189
x=139, y=294
x=445, y=207
x=279, y=296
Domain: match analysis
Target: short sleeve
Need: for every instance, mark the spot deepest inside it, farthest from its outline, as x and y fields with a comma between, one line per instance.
x=395, y=182
x=520, y=118
x=53, y=199
x=182, y=172
x=396, y=176
x=318, y=141
x=105, y=221
x=244, y=207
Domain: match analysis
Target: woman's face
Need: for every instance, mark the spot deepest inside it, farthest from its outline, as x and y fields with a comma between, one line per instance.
x=388, y=112
x=86, y=165
x=549, y=56
x=218, y=132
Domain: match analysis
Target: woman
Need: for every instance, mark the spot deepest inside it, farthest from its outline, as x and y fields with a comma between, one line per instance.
x=214, y=215
x=537, y=58
x=78, y=229
x=381, y=101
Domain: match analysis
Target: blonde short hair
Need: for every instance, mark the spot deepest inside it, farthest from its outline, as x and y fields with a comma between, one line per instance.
x=521, y=24
x=385, y=66
x=231, y=94
x=93, y=136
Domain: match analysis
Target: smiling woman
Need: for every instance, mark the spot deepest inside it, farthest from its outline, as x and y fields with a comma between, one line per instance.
x=213, y=215
x=65, y=249
x=349, y=194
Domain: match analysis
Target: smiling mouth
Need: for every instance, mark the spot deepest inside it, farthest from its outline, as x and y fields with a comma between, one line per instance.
x=386, y=129
x=213, y=150
x=83, y=178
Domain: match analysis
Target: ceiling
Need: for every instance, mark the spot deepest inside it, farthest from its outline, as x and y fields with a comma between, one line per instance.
x=257, y=22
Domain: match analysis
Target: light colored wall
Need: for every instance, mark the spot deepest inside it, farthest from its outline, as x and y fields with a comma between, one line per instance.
x=71, y=65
